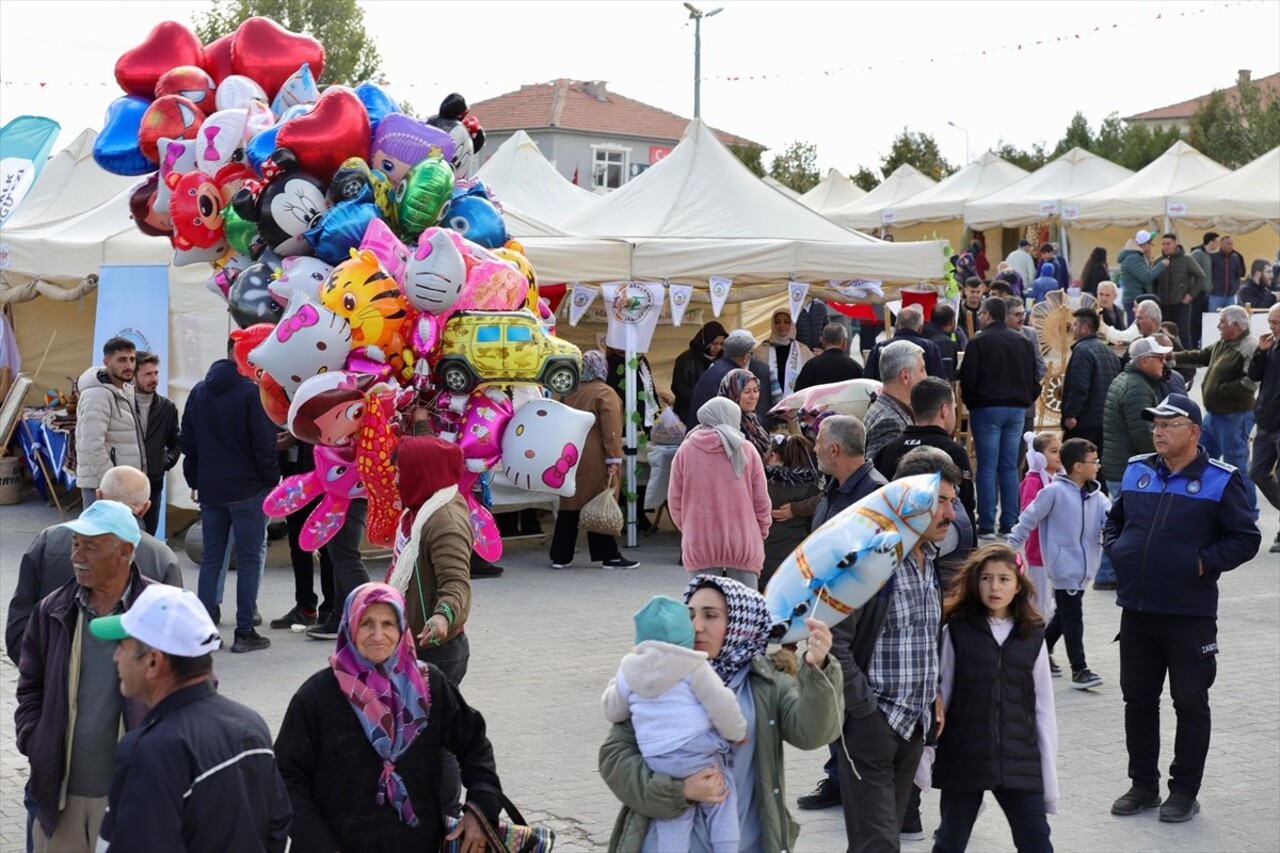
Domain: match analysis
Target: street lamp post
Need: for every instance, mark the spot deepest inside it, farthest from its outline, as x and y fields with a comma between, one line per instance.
x=965, y=131
x=696, y=15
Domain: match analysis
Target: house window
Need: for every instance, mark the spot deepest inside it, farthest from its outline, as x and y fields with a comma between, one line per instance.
x=609, y=168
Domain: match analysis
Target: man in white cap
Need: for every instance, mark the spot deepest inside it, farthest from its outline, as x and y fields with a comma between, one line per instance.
x=1137, y=273
x=69, y=705
x=46, y=565
x=199, y=772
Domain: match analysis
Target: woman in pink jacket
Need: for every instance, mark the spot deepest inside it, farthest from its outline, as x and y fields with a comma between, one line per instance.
x=718, y=497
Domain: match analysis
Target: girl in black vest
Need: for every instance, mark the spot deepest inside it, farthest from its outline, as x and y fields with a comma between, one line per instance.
x=1000, y=733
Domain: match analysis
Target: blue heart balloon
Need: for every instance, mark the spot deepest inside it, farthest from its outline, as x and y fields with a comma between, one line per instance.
x=377, y=103
x=116, y=148
x=473, y=216
x=342, y=228
x=263, y=143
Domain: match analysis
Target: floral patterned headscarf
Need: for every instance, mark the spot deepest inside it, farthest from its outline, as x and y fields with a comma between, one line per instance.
x=732, y=386
x=391, y=699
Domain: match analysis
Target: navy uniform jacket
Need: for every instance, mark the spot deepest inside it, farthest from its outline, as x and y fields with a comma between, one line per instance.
x=1164, y=526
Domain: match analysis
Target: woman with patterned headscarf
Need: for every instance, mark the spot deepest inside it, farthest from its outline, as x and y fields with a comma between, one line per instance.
x=600, y=460
x=731, y=625
x=362, y=743
x=742, y=387
x=784, y=354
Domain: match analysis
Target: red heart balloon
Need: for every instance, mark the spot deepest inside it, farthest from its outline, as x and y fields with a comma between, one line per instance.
x=217, y=58
x=337, y=129
x=167, y=45
x=268, y=53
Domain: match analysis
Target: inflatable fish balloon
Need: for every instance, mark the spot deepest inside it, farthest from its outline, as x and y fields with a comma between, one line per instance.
x=843, y=563
x=850, y=397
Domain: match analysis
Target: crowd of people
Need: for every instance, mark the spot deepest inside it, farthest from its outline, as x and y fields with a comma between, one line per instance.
x=132, y=747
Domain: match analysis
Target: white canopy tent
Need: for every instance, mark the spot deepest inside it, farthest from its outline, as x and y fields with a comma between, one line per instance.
x=1038, y=196
x=1241, y=202
x=864, y=214
x=699, y=212
x=1141, y=198
x=521, y=176
x=780, y=187
x=945, y=201
x=832, y=192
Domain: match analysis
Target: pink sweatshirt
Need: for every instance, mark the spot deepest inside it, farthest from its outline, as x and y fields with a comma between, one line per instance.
x=1031, y=486
x=723, y=519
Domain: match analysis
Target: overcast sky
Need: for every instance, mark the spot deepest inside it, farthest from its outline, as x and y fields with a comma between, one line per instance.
x=846, y=76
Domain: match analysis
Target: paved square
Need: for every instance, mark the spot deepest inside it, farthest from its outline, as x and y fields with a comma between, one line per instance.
x=545, y=643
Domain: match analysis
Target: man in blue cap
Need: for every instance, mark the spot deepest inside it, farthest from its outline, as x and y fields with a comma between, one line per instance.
x=1179, y=521
x=198, y=774
x=69, y=705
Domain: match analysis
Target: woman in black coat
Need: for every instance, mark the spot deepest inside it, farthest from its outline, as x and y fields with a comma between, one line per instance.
x=1095, y=271
x=691, y=364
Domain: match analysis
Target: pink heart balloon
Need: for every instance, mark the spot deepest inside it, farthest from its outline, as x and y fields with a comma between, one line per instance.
x=269, y=53
x=338, y=128
x=167, y=45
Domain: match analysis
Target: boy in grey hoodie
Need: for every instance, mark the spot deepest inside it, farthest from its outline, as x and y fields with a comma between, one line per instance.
x=684, y=717
x=1069, y=514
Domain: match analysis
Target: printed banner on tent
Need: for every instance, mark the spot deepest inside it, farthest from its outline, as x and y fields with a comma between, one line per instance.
x=796, y=292
x=25, y=143
x=579, y=301
x=679, y=294
x=634, y=307
x=719, y=292
x=133, y=303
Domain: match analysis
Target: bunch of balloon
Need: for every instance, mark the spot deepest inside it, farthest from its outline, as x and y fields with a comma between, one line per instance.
x=368, y=274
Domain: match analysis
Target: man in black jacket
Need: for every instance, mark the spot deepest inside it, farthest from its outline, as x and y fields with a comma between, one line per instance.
x=998, y=383
x=198, y=774
x=832, y=364
x=158, y=417
x=941, y=330
x=1264, y=368
x=230, y=462
x=1179, y=284
x=1227, y=267
x=934, y=405
x=910, y=328
x=1090, y=370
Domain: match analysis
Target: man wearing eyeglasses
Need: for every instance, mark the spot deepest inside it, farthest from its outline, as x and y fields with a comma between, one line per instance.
x=1180, y=520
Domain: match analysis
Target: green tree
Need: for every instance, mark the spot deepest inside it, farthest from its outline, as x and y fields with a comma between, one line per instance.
x=797, y=166
x=1078, y=135
x=919, y=150
x=1234, y=131
x=1109, y=142
x=350, y=54
x=750, y=156
x=865, y=178
x=1029, y=160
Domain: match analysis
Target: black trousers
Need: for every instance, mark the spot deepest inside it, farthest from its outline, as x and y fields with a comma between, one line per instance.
x=151, y=520
x=1180, y=314
x=349, y=571
x=304, y=590
x=452, y=659
x=1068, y=624
x=601, y=547
x=1024, y=810
x=1185, y=647
x=875, y=804
x=1093, y=434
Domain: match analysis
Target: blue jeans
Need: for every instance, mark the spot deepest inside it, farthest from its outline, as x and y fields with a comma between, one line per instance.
x=1231, y=431
x=249, y=524
x=1217, y=303
x=997, y=434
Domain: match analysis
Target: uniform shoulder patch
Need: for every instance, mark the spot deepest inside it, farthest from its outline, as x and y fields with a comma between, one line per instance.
x=1225, y=466
x=1140, y=457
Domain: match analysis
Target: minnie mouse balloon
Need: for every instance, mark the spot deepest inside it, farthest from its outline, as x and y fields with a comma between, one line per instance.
x=116, y=148
x=542, y=445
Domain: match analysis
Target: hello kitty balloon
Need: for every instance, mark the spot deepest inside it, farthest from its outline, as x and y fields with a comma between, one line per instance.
x=542, y=445
x=309, y=339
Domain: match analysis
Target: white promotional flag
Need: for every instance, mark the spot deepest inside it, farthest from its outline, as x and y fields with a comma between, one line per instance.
x=580, y=299
x=719, y=292
x=796, y=292
x=679, y=294
x=24, y=148
x=633, y=308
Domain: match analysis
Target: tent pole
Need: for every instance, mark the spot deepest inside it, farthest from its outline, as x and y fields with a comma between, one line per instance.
x=629, y=449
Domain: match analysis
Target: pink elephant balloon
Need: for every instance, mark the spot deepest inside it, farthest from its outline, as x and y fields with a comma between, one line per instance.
x=483, y=420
